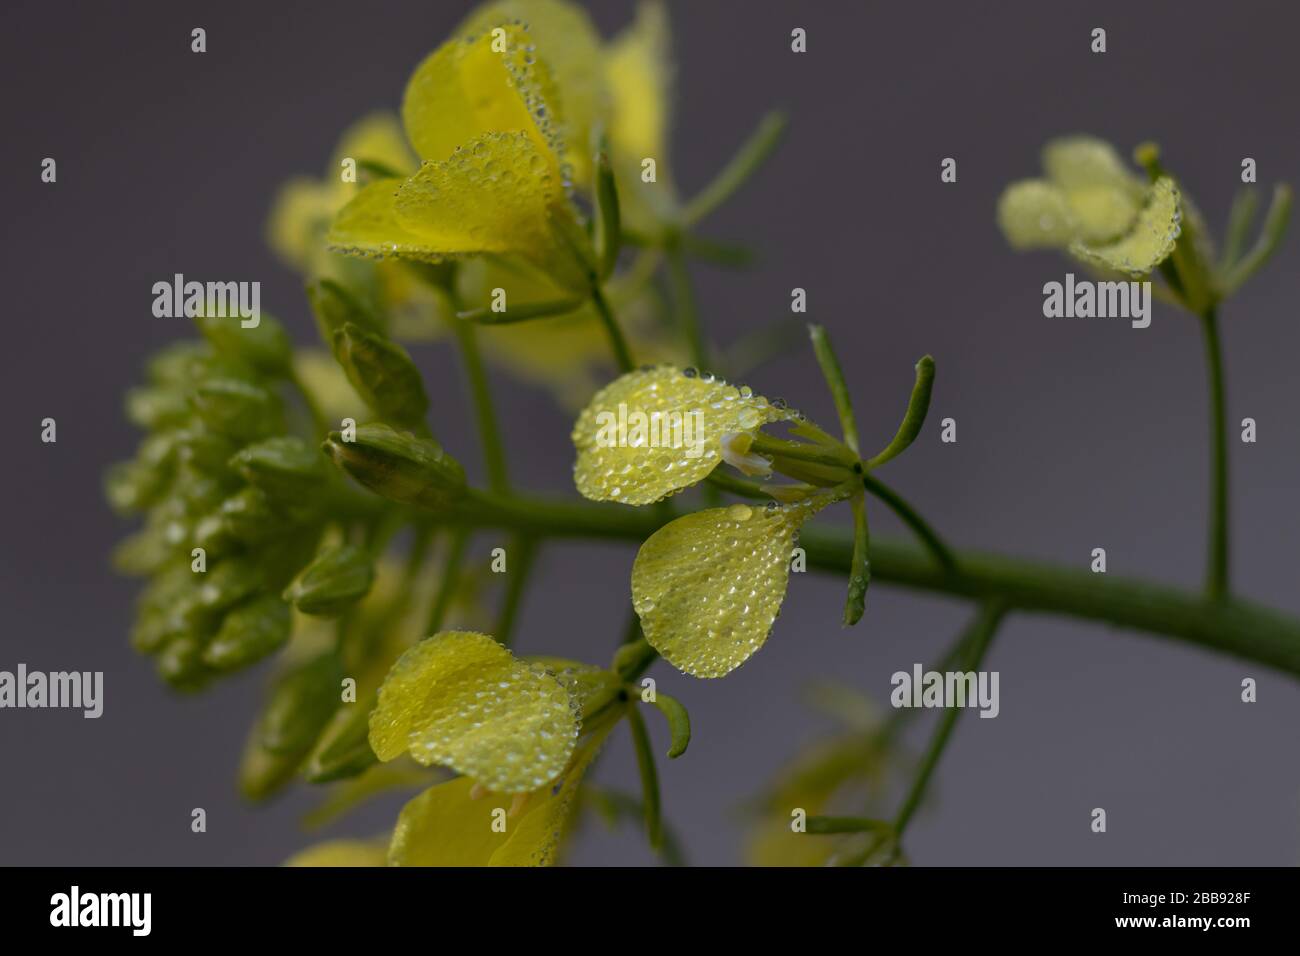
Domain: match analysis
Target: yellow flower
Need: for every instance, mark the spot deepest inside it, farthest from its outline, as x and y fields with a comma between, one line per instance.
x=656, y=431
x=707, y=586
x=342, y=853
x=1091, y=205
x=513, y=728
x=483, y=112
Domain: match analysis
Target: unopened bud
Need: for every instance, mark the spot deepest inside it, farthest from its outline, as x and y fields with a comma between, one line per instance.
x=301, y=705
x=285, y=467
x=248, y=633
x=336, y=580
x=265, y=346
x=399, y=466
x=237, y=409
x=382, y=373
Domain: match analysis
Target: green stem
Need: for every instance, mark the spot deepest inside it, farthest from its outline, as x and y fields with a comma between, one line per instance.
x=645, y=760
x=1239, y=628
x=688, y=317
x=976, y=642
x=489, y=430
x=832, y=455
x=319, y=426
x=450, y=578
x=1216, y=580
x=618, y=344
x=523, y=551
x=751, y=155
x=910, y=517
x=834, y=375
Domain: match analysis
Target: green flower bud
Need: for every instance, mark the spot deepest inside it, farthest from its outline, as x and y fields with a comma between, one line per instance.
x=131, y=486
x=337, y=579
x=237, y=409
x=227, y=584
x=301, y=705
x=142, y=553
x=344, y=750
x=248, y=633
x=155, y=621
x=153, y=407
x=249, y=517
x=334, y=307
x=399, y=466
x=181, y=664
x=174, y=365
x=382, y=373
x=202, y=448
x=213, y=535
x=262, y=773
x=265, y=346
x=285, y=467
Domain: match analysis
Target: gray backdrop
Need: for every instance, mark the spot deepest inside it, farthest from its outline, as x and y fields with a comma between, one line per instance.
x=1073, y=434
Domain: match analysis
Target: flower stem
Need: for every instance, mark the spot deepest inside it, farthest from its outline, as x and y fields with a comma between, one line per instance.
x=751, y=155
x=1239, y=628
x=1216, y=579
x=523, y=551
x=618, y=344
x=645, y=760
x=975, y=642
x=489, y=430
x=684, y=299
x=450, y=578
x=910, y=517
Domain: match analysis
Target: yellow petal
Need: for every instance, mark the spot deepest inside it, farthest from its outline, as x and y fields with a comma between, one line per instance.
x=708, y=585
x=568, y=44
x=461, y=700
x=342, y=853
x=1034, y=214
x=1148, y=242
x=639, y=73
x=655, y=431
x=496, y=195
x=300, y=216
x=1081, y=162
x=377, y=137
x=447, y=826
x=369, y=226
x=465, y=88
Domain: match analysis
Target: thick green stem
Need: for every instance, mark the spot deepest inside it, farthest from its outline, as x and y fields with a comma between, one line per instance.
x=1239, y=628
x=974, y=644
x=617, y=343
x=1216, y=577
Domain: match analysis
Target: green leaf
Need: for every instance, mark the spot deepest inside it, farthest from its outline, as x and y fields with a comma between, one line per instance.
x=679, y=723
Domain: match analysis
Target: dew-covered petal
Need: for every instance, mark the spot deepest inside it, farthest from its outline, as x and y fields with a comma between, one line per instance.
x=377, y=138
x=709, y=585
x=369, y=226
x=461, y=700
x=494, y=195
x=1034, y=214
x=1148, y=242
x=465, y=88
x=1084, y=162
x=655, y=431
x=565, y=41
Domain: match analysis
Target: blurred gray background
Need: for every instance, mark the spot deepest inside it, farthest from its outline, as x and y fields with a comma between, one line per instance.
x=1073, y=434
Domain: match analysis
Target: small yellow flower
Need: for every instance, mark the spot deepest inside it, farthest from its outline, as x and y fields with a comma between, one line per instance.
x=461, y=700
x=656, y=431
x=483, y=112
x=1091, y=205
x=707, y=586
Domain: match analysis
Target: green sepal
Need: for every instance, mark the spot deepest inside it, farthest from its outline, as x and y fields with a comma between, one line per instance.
x=679, y=723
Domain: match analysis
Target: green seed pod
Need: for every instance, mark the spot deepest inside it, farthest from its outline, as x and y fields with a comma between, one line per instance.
x=335, y=306
x=265, y=346
x=337, y=579
x=301, y=705
x=237, y=409
x=399, y=466
x=248, y=633
x=382, y=373
x=285, y=467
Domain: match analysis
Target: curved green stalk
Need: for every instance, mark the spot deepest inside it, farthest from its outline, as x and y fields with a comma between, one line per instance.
x=1216, y=577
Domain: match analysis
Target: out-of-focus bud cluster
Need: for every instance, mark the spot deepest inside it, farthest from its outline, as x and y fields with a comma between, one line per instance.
x=234, y=506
